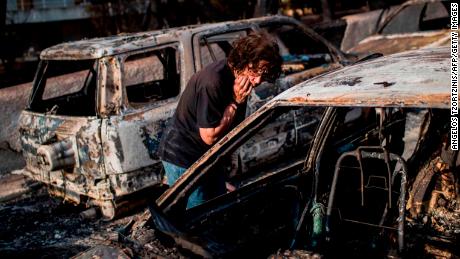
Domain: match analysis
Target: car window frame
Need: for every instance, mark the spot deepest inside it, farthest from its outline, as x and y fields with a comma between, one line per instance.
x=336, y=55
x=127, y=108
x=198, y=37
x=40, y=87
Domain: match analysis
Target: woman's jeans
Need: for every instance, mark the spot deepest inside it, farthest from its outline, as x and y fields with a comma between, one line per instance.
x=203, y=192
x=172, y=173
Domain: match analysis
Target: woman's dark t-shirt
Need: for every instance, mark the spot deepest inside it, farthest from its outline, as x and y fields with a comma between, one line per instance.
x=201, y=105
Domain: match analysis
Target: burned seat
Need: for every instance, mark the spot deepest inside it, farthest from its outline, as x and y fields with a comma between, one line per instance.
x=367, y=199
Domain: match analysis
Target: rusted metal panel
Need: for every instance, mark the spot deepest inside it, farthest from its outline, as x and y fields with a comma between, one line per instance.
x=38, y=130
x=130, y=148
x=400, y=80
x=110, y=86
x=101, y=47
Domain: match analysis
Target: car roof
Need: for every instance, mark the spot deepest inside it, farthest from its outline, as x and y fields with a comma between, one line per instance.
x=418, y=78
x=106, y=46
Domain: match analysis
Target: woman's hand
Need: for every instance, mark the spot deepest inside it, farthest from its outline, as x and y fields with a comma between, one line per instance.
x=241, y=89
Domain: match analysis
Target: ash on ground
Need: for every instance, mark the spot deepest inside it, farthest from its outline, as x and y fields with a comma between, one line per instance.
x=36, y=225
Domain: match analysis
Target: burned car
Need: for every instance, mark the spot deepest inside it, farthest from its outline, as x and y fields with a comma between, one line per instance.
x=98, y=107
x=411, y=25
x=379, y=126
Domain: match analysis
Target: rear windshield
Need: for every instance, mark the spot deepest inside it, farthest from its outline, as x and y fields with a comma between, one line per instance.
x=65, y=88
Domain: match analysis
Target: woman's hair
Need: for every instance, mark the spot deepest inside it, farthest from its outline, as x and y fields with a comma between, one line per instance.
x=254, y=48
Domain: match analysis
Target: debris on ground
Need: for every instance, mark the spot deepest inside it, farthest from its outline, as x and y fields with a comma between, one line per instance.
x=35, y=225
x=295, y=254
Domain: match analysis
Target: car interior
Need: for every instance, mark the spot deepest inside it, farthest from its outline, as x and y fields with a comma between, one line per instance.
x=365, y=188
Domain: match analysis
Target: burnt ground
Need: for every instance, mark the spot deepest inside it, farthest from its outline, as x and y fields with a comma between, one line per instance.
x=35, y=225
x=38, y=226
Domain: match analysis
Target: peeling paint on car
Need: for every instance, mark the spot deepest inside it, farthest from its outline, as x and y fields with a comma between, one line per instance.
x=344, y=81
